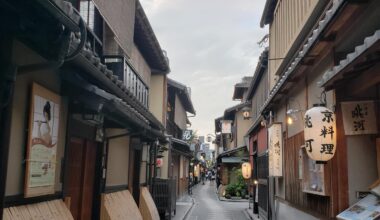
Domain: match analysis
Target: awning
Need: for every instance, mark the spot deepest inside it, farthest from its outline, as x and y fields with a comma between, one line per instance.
x=233, y=152
x=234, y=159
x=111, y=106
x=347, y=64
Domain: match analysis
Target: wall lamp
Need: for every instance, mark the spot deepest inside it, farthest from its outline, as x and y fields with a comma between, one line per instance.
x=292, y=115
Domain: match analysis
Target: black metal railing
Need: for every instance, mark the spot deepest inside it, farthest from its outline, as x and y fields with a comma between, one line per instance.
x=129, y=76
x=173, y=129
x=164, y=196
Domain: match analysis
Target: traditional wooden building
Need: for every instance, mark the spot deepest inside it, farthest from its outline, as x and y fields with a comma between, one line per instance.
x=83, y=113
x=179, y=104
x=258, y=137
x=322, y=52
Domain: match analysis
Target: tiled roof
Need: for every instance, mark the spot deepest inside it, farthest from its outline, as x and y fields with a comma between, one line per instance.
x=328, y=16
x=334, y=71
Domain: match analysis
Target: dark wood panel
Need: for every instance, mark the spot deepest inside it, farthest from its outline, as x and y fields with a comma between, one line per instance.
x=74, y=175
x=88, y=179
x=293, y=185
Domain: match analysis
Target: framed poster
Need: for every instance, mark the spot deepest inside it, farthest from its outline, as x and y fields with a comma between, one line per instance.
x=275, y=145
x=42, y=142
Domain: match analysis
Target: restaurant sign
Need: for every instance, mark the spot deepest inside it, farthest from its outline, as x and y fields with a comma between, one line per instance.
x=359, y=117
x=275, y=149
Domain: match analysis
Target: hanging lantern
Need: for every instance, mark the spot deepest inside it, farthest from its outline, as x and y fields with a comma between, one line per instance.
x=320, y=133
x=246, y=170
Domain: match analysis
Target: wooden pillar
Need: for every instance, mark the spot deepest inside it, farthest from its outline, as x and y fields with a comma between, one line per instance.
x=339, y=166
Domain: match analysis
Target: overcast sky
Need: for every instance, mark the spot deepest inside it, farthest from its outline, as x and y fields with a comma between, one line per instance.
x=211, y=45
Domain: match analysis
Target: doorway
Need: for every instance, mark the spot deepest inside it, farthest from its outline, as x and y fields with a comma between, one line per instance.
x=80, y=176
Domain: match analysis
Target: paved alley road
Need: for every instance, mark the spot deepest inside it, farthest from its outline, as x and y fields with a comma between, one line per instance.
x=208, y=207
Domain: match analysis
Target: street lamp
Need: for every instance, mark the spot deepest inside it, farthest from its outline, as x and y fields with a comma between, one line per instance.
x=246, y=112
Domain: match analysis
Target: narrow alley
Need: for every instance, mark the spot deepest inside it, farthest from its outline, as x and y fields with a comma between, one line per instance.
x=208, y=206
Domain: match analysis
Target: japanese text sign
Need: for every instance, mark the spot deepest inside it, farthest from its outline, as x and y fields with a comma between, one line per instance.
x=359, y=117
x=275, y=149
x=226, y=126
x=320, y=133
x=187, y=134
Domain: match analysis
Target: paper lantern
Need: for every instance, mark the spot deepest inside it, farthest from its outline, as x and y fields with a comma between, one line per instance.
x=320, y=133
x=246, y=170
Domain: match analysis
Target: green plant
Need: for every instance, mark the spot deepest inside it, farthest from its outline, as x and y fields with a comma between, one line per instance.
x=230, y=189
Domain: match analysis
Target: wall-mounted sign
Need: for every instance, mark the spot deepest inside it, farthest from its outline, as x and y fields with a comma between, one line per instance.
x=275, y=149
x=359, y=117
x=159, y=162
x=226, y=126
x=320, y=133
x=42, y=142
x=186, y=135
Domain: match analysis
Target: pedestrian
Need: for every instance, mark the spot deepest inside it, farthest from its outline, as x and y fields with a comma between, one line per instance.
x=203, y=175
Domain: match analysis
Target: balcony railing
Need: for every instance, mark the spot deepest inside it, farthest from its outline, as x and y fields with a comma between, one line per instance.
x=132, y=81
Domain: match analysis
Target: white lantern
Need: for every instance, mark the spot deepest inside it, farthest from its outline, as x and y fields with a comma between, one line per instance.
x=320, y=133
x=246, y=170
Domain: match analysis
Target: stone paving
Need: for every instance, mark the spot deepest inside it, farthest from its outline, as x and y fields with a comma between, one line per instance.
x=209, y=207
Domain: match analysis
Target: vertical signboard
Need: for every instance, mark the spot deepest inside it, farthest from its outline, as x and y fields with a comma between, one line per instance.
x=187, y=134
x=42, y=142
x=275, y=149
x=359, y=117
x=226, y=126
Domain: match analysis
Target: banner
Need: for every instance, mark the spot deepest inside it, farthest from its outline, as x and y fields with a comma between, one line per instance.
x=42, y=142
x=275, y=149
x=359, y=117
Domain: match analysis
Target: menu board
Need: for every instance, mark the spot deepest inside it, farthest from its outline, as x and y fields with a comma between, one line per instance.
x=366, y=209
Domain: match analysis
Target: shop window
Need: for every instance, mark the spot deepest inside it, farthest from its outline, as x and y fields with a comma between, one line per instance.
x=314, y=176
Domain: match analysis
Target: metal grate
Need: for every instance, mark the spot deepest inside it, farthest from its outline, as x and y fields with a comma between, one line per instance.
x=262, y=167
x=263, y=197
x=164, y=196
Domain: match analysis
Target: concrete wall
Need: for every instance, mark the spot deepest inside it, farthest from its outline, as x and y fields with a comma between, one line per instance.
x=157, y=97
x=179, y=113
x=118, y=158
x=140, y=65
x=19, y=120
x=120, y=17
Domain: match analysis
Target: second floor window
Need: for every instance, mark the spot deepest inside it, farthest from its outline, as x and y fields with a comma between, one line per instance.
x=87, y=11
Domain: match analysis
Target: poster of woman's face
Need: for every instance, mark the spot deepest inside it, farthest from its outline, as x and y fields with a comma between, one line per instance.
x=42, y=144
x=46, y=121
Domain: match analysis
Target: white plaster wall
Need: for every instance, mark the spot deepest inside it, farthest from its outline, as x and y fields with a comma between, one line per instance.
x=118, y=158
x=19, y=128
x=157, y=97
x=179, y=113
x=362, y=164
